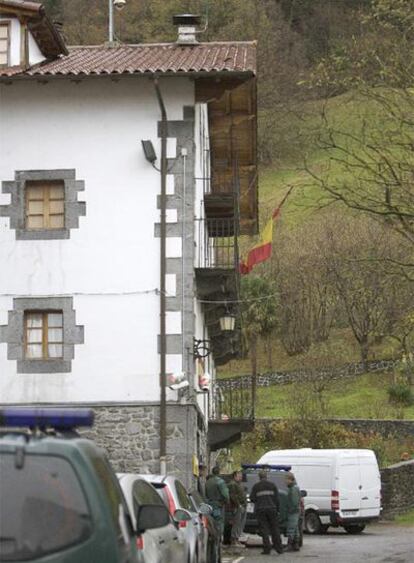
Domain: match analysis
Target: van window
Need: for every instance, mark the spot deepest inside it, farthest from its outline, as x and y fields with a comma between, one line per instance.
x=43, y=508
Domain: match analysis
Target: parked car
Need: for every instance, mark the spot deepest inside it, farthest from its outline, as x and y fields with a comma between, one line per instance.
x=277, y=475
x=212, y=539
x=343, y=485
x=175, y=496
x=155, y=545
x=60, y=498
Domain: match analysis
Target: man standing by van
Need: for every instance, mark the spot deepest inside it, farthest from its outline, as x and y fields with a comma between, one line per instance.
x=238, y=503
x=293, y=509
x=217, y=495
x=265, y=496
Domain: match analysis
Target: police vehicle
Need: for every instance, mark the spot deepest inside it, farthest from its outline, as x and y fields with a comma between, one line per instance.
x=60, y=499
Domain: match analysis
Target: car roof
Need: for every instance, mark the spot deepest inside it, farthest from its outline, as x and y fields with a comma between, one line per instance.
x=43, y=443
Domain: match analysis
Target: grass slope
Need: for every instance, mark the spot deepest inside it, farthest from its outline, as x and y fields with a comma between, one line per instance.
x=360, y=397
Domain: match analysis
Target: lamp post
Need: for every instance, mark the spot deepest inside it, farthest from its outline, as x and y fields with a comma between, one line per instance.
x=119, y=5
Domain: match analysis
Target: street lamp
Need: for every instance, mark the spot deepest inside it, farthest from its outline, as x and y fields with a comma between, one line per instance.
x=119, y=5
x=227, y=322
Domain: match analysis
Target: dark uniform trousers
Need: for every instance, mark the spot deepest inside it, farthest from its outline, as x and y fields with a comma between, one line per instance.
x=268, y=521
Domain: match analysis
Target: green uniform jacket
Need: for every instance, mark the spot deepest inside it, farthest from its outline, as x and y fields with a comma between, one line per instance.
x=237, y=494
x=217, y=492
x=293, y=499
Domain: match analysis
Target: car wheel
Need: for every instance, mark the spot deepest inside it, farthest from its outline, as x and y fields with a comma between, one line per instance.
x=355, y=528
x=312, y=523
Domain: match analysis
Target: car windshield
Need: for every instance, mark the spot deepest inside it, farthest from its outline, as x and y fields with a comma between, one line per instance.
x=43, y=508
x=250, y=478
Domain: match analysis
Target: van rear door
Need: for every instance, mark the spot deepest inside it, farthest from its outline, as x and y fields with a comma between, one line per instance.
x=370, y=487
x=349, y=481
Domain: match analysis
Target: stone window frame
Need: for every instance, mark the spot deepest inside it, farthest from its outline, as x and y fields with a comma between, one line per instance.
x=16, y=209
x=13, y=334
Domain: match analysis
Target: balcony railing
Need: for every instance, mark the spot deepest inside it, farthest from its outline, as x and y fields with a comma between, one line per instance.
x=233, y=402
x=217, y=244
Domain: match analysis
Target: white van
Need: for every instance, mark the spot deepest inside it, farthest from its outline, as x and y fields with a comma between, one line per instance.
x=343, y=486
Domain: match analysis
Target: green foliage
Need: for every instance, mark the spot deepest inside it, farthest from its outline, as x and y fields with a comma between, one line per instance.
x=259, y=305
x=313, y=433
x=400, y=394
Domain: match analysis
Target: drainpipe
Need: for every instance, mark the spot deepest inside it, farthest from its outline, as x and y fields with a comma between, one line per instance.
x=183, y=211
x=163, y=341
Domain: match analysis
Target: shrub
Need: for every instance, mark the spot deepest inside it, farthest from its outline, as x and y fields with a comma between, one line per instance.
x=400, y=394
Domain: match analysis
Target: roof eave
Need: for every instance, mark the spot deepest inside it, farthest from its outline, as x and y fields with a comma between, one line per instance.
x=244, y=75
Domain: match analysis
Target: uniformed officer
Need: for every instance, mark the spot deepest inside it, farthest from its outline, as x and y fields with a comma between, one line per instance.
x=217, y=494
x=265, y=496
x=293, y=509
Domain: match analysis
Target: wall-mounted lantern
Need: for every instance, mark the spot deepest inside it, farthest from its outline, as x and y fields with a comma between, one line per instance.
x=227, y=322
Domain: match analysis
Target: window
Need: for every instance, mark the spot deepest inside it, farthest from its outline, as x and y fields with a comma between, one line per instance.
x=45, y=205
x=144, y=493
x=183, y=497
x=43, y=509
x=4, y=43
x=113, y=496
x=43, y=335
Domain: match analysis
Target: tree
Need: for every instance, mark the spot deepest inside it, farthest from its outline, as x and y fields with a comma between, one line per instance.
x=259, y=318
x=355, y=251
x=371, y=157
x=307, y=305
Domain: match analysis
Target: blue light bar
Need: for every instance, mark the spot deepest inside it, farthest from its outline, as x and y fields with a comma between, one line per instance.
x=266, y=466
x=60, y=419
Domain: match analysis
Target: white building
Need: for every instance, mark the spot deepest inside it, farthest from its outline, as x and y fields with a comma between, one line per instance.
x=80, y=228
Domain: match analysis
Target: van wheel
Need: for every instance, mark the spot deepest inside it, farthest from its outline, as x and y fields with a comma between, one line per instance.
x=355, y=528
x=312, y=523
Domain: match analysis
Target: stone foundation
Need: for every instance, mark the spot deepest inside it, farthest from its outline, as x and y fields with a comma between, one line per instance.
x=130, y=436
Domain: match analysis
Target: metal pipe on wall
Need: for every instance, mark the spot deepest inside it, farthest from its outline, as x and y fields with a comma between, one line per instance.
x=163, y=257
x=183, y=211
x=111, y=21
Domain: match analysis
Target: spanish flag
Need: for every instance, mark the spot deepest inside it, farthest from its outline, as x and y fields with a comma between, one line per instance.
x=263, y=249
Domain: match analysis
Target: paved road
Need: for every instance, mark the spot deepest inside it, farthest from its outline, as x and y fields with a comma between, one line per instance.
x=380, y=543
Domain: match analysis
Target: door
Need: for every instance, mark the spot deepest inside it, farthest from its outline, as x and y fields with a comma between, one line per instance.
x=370, y=490
x=349, y=482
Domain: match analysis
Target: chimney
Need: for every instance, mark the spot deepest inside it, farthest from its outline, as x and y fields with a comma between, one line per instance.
x=187, y=28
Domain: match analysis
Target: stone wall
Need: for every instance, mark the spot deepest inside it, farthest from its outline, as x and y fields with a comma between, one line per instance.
x=283, y=377
x=397, y=489
x=388, y=428
x=130, y=436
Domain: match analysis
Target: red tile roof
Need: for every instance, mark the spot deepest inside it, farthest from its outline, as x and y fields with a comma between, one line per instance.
x=168, y=58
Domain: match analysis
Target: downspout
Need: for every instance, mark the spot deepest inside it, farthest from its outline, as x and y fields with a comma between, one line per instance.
x=163, y=340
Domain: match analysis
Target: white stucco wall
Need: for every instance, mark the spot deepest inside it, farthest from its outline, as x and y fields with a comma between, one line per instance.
x=35, y=55
x=111, y=263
